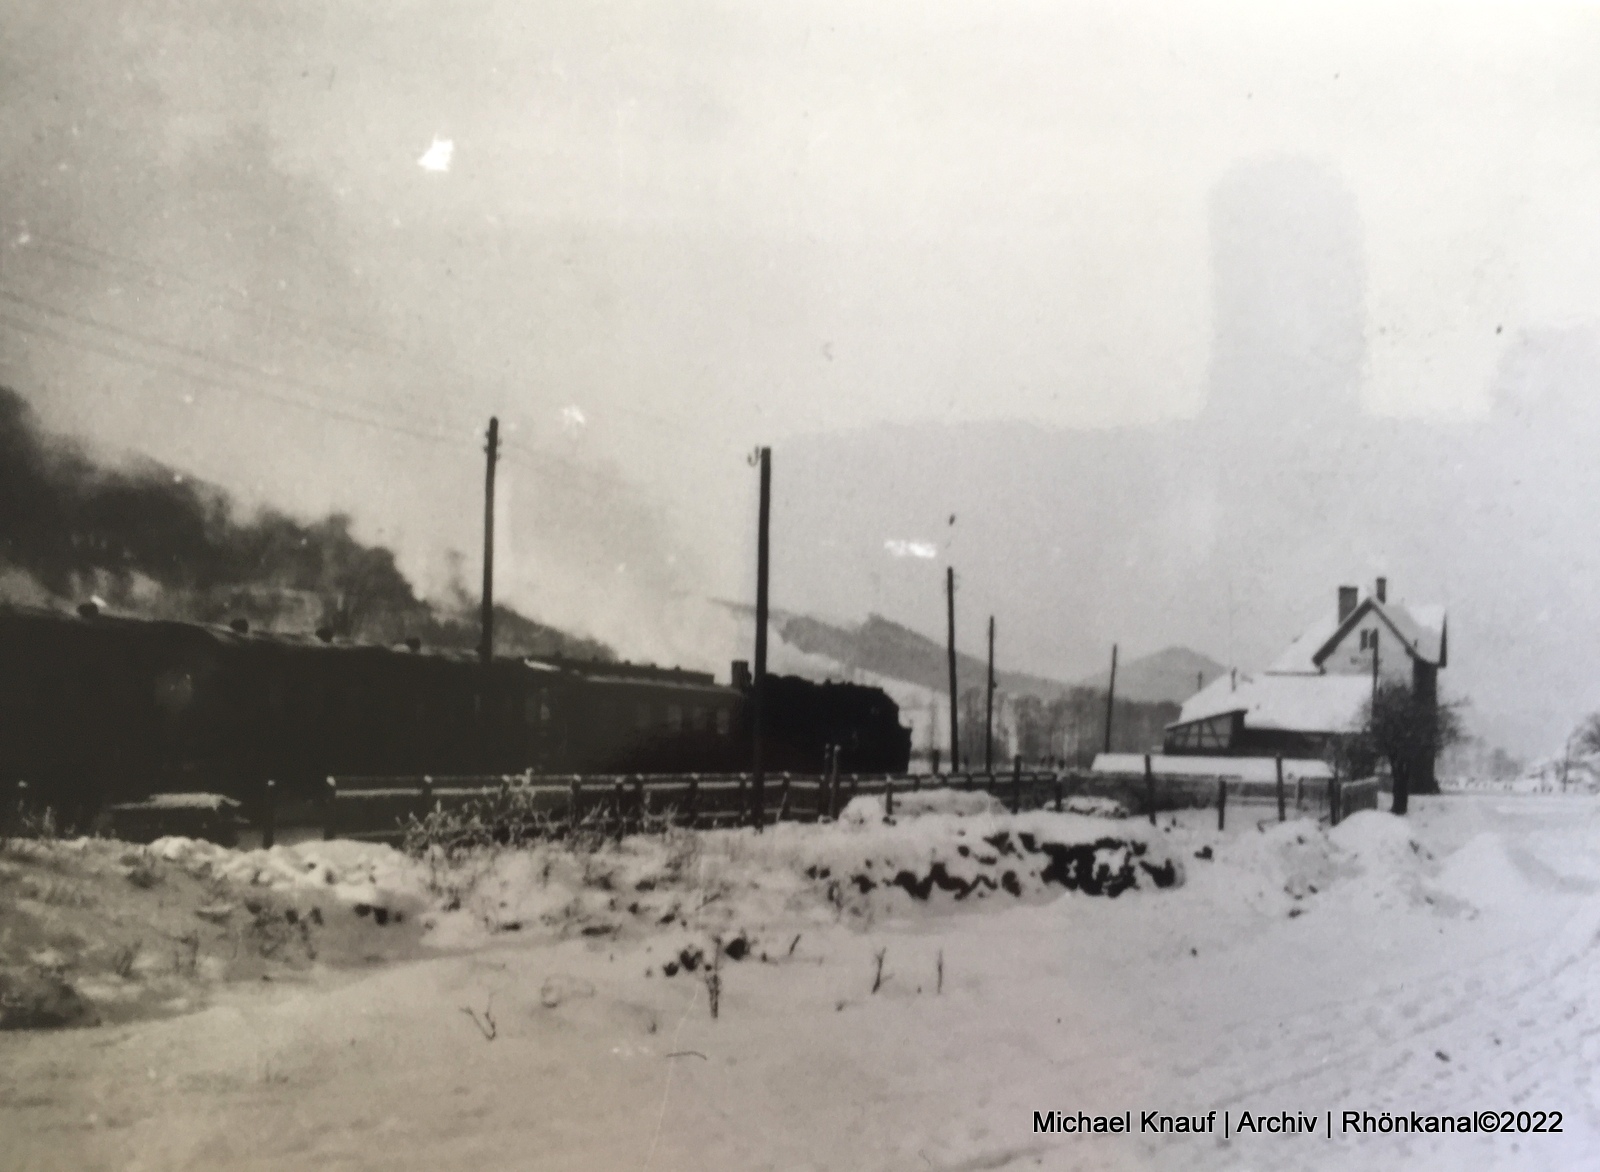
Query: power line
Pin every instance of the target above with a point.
(122, 355)
(154, 342)
(63, 248)
(523, 455)
(226, 298)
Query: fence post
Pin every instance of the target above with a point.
(641, 802)
(1016, 784)
(888, 797)
(830, 786)
(269, 815)
(619, 796)
(574, 796)
(783, 800)
(691, 802)
(1150, 788)
(1299, 794)
(1335, 801)
(1058, 793)
(425, 796)
(1281, 815)
(1222, 803)
(743, 816)
(935, 764)
(330, 818)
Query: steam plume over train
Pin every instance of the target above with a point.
(155, 543)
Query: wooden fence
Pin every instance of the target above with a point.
(377, 808)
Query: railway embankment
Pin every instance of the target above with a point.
(102, 931)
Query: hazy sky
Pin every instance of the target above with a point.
(669, 232)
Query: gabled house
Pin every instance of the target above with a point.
(1316, 691)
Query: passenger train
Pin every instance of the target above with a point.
(98, 709)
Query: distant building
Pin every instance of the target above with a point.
(1315, 692)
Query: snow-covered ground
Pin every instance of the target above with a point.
(1439, 964)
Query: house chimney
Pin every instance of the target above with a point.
(1347, 602)
(1383, 590)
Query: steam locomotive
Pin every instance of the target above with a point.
(98, 709)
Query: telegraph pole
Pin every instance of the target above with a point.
(1374, 668)
(757, 714)
(988, 710)
(492, 448)
(1111, 696)
(950, 608)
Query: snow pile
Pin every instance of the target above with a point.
(717, 882)
(353, 873)
(1483, 874)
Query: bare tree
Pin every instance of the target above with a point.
(1409, 733)
(1586, 738)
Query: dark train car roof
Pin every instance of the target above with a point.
(296, 643)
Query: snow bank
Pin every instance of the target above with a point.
(943, 847)
(354, 873)
(1483, 874)
(1374, 837)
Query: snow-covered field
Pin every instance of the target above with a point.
(551, 1010)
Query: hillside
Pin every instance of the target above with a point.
(1034, 715)
(1169, 676)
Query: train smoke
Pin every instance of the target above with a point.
(148, 540)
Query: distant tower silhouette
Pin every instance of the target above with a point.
(1289, 292)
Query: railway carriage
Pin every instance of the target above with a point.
(97, 709)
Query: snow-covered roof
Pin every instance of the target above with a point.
(1241, 768)
(1420, 628)
(1300, 656)
(1297, 702)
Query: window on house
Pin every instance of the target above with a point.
(724, 722)
(697, 718)
(675, 718)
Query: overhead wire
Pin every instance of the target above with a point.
(124, 355)
(516, 452)
(227, 298)
(156, 343)
(63, 248)
(311, 397)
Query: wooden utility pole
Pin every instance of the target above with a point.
(492, 448)
(1374, 672)
(1111, 696)
(988, 710)
(758, 764)
(950, 610)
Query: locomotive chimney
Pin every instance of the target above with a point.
(87, 610)
(241, 626)
(741, 673)
(1347, 602)
(325, 634)
(414, 643)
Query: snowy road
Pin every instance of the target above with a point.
(1295, 971)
